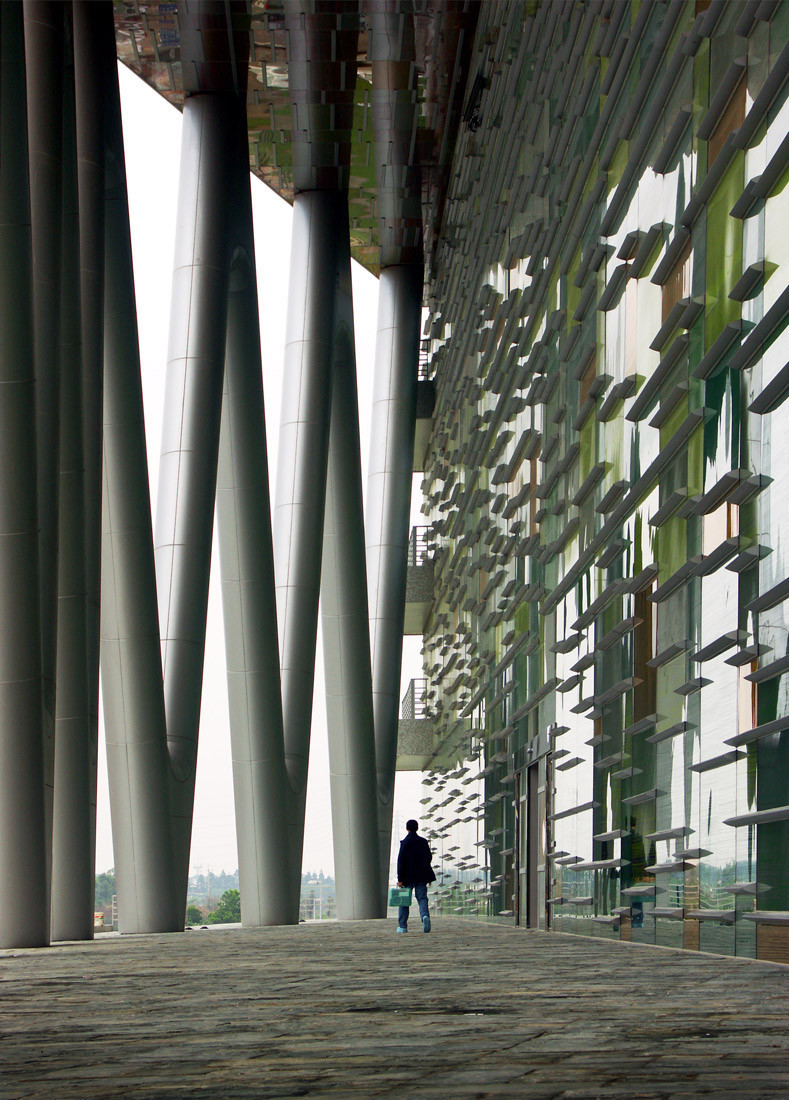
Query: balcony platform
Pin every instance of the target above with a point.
(425, 408)
(418, 597)
(353, 1010)
(415, 744)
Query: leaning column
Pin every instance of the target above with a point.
(322, 52)
(45, 34)
(190, 438)
(131, 671)
(301, 479)
(346, 637)
(395, 121)
(248, 597)
(93, 24)
(72, 895)
(24, 909)
(388, 512)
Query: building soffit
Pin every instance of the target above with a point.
(389, 109)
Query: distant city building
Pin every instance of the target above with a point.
(318, 897)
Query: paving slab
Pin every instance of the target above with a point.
(351, 1010)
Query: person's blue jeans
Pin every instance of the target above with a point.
(420, 893)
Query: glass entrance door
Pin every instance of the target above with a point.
(530, 852)
(535, 829)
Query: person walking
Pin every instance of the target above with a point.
(414, 869)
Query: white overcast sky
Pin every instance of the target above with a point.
(152, 134)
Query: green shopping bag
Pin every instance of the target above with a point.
(399, 895)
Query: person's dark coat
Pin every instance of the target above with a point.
(413, 861)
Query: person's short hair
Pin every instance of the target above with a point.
(412, 826)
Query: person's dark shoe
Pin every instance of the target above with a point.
(399, 929)
(426, 923)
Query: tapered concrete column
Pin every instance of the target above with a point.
(318, 219)
(72, 897)
(94, 53)
(346, 639)
(247, 563)
(388, 513)
(137, 759)
(190, 437)
(24, 908)
(44, 47)
(392, 50)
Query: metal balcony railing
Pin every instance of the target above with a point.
(414, 704)
(419, 546)
(424, 369)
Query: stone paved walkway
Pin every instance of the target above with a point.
(353, 1010)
